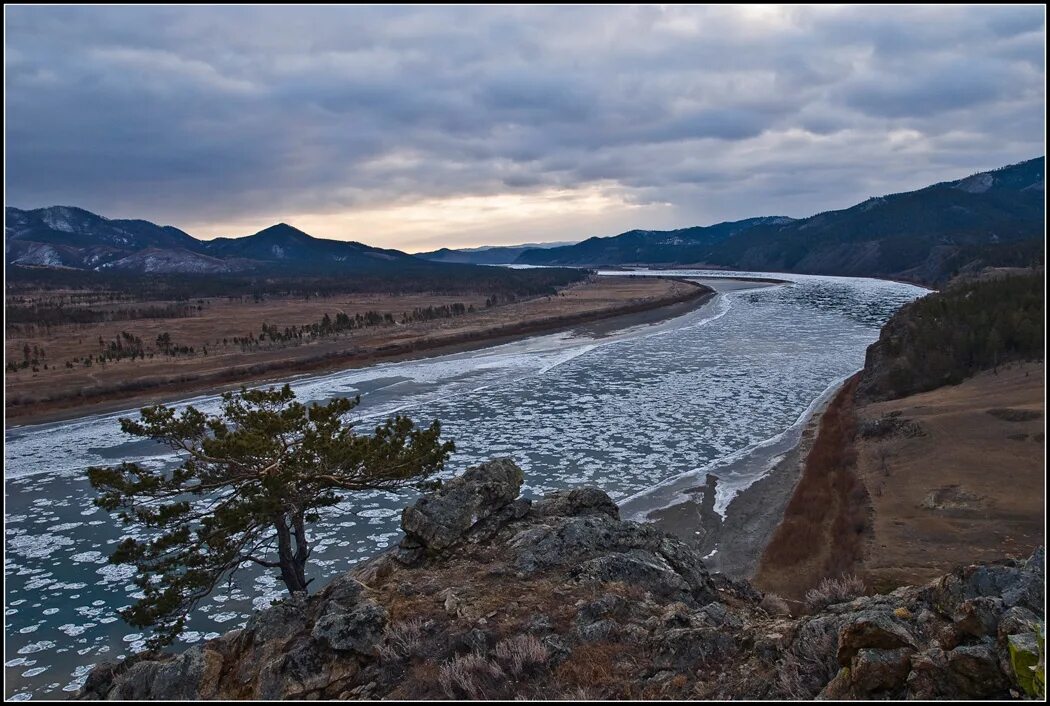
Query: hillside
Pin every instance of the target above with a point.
(494, 596)
(685, 245)
(490, 255)
(994, 218)
(933, 453)
(66, 238)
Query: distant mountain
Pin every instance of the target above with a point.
(486, 255)
(990, 218)
(67, 237)
(650, 247)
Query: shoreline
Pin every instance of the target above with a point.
(732, 543)
(607, 320)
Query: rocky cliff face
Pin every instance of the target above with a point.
(494, 596)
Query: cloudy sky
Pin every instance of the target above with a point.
(420, 127)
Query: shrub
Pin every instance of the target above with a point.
(471, 676)
(522, 653)
(834, 590)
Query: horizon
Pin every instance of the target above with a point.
(420, 128)
(483, 246)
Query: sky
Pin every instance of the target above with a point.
(423, 127)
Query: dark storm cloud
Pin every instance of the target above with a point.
(223, 114)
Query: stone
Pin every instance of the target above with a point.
(578, 501)
(874, 671)
(872, 630)
(358, 630)
(775, 606)
(977, 617)
(976, 673)
(438, 520)
(1025, 653)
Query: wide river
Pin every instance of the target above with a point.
(634, 412)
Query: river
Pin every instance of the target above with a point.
(635, 412)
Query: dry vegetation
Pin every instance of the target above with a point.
(822, 530)
(221, 340)
(968, 488)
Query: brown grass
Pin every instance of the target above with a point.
(58, 387)
(971, 489)
(822, 529)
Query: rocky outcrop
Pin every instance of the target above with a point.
(493, 596)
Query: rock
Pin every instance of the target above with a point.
(439, 520)
(976, 672)
(1017, 620)
(598, 631)
(775, 605)
(979, 616)
(1025, 653)
(358, 630)
(874, 671)
(636, 568)
(604, 605)
(609, 604)
(872, 630)
(578, 501)
(189, 676)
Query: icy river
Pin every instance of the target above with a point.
(634, 412)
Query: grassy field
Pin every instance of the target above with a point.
(901, 491)
(52, 367)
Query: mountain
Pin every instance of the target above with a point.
(292, 247)
(684, 245)
(66, 236)
(486, 255)
(72, 238)
(990, 218)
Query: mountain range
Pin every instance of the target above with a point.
(69, 237)
(991, 218)
(487, 254)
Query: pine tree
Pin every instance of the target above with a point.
(251, 480)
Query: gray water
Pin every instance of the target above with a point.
(641, 413)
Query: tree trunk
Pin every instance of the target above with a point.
(292, 567)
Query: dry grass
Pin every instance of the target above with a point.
(834, 590)
(144, 380)
(822, 530)
(521, 654)
(471, 676)
(402, 639)
(971, 489)
(808, 667)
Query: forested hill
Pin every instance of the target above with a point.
(971, 325)
(655, 247)
(994, 218)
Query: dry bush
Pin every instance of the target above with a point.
(522, 653)
(471, 676)
(808, 666)
(834, 590)
(600, 667)
(401, 639)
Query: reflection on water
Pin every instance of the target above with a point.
(624, 412)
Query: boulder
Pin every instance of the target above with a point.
(578, 501)
(358, 630)
(872, 629)
(439, 520)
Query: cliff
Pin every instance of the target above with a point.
(491, 595)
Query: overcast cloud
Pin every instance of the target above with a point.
(425, 126)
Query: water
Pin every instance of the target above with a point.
(640, 413)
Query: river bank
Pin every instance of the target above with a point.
(732, 541)
(619, 302)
